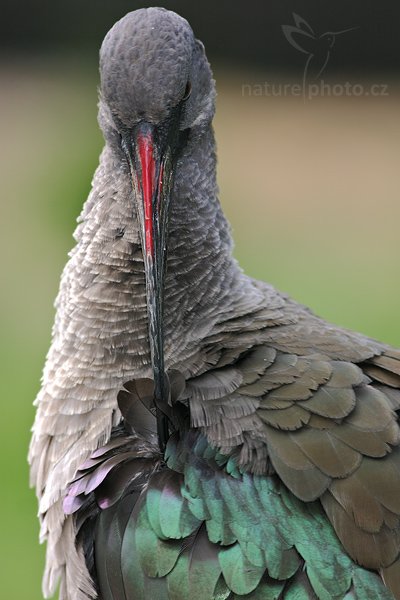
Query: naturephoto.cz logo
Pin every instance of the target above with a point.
(317, 50)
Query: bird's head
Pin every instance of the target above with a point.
(156, 86)
(152, 68)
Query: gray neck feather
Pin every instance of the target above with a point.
(203, 281)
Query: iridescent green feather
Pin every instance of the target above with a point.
(201, 530)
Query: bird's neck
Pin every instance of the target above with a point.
(203, 285)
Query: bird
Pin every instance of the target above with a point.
(318, 47)
(199, 434)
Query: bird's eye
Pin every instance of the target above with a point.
(188, 91)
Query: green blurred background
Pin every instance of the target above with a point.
(311, 188)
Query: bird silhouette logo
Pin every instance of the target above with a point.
(318, 48)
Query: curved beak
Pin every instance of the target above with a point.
(149, 154)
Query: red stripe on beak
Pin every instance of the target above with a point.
(148, 167)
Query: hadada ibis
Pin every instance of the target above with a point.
(199, 434)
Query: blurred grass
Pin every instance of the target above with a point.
(310, 190)
(48, 153)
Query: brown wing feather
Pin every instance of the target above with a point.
(322, 415)
(385, 369)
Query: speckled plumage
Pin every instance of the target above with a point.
(275, 389)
